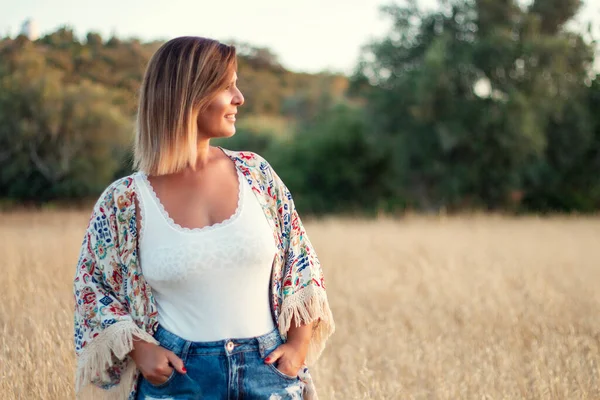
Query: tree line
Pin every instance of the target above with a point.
(476, 104)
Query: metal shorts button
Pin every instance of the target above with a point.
(229, 346)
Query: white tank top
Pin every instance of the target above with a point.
(209, 283)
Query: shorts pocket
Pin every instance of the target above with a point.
(281, 374)
(165, 383)
(272, 367)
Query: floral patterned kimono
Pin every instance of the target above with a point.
(113, 302)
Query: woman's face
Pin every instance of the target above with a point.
(218, 120)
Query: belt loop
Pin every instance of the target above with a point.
(262, 346)
(186, 350)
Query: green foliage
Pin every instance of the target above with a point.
(468, 147)
(67, 107)
(333, 165)
(247, 140)
(58, 139)
(478, 104)
(568, 178)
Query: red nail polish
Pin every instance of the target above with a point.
(267, 359)
(183, 369)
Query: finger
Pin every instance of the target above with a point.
(162, 373)
(159, 375)
(273, 356)
(159, 379)
(176, 362)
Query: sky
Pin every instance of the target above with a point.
(306, 35)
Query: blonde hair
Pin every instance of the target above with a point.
(181, 79)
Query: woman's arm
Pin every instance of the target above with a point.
(305, 317)
(291, 356)
(104, 328)
(300, 335)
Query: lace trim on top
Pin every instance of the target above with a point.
(180, 228)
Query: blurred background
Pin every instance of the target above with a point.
(448, 153)
(420, 105)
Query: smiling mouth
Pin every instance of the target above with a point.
(230, 117)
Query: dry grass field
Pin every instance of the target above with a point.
(479, 307)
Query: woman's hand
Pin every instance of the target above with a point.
(154, 362)
(289, 356)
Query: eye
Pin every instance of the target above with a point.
(230, 85)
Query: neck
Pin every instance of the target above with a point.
(203, 156)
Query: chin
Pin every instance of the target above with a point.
(229, 133)
(222, 134)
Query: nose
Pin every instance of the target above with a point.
(238, 98)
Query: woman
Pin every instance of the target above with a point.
(196, 279)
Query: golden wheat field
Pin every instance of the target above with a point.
(477, 307)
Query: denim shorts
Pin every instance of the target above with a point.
(230, 369)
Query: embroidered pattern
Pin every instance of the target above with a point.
(113, 302)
